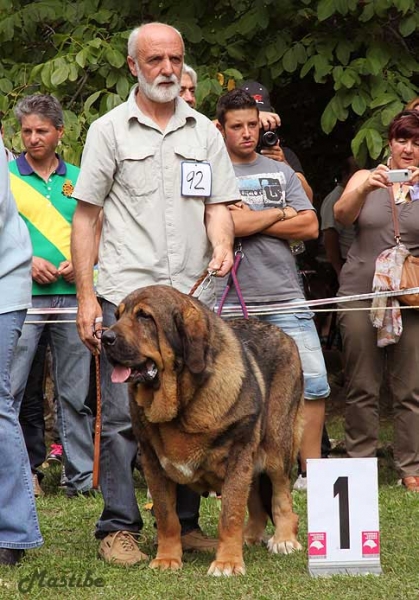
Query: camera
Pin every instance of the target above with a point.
(267, 138)
(399, 175)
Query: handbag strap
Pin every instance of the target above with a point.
(395, 217)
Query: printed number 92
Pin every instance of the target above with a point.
(194, 178)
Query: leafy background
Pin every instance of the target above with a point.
(337, 70)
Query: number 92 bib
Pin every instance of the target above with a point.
(196, 179)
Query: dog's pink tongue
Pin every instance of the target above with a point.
(120, 374)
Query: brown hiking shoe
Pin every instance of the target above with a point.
(120, 548)
(37, 490)
(197, 541)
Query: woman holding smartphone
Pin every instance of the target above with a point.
(367, 203)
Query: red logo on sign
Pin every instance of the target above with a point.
(370, 543)
(317, 545)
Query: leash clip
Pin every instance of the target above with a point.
(238, 250)
(205, 283)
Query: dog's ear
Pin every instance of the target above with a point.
(119, 310)
(161, 404)
(193, 329)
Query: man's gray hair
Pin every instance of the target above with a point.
(187, 70)
(43, 105)
(132, 40)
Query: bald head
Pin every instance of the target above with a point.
(153, 31)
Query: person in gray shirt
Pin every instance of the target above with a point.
(273, 210)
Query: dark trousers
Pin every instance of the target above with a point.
(187, 508)
(31, 414)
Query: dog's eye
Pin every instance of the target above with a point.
(140, 314)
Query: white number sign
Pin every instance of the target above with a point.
(196, 179)
(343, 523)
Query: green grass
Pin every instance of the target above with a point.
(71, 550)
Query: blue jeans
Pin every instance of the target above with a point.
(19, 527)
(71, 364)
(117, 457)
(300, 326)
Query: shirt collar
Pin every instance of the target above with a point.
(183, 112)
(25, 168)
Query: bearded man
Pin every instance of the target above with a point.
(162, 223)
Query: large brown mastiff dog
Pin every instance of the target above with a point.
(216, 405)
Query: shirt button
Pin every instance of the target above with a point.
(47, 197)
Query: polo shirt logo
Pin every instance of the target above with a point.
(68, 188)
(42, 215)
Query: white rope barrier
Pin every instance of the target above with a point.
(292, 307)
(258, 309)
(70, 310)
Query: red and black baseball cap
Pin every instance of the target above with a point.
(259, 93)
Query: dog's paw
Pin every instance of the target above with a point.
(219, 568)
(166, 564)
(283, 547)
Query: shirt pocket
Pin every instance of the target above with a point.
(192, 153)
(137, 170)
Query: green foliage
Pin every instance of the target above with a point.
(357, 57)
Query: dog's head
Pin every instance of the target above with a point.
(159, 334)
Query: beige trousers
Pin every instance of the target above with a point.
(365, 366)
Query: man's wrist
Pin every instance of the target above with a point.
(85, 294)
(283, 214)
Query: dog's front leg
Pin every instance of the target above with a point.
(235, 491)
(284, 540)
(163, 492)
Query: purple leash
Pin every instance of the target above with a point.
(232, 279)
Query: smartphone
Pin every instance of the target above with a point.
(399, 175)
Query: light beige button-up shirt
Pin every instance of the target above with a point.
(151, 233)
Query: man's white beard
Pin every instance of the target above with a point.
(154, 92)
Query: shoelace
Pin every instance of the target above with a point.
(127, 541)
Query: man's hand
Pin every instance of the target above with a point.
(89, 322)
(289, 213)
(43, 272)
(222, 260)
(65, 269)
(269, 120)
(238, 206)
(274, 152)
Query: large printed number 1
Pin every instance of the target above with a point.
(340, 489)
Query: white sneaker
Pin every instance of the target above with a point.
(300, 484)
